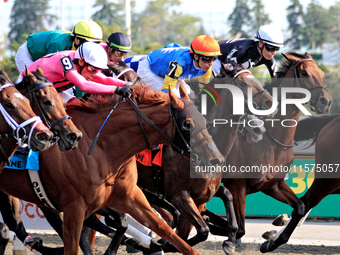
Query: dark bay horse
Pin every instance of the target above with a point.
(276, 148)
(325, 132)
(78, 184)
(46, 102)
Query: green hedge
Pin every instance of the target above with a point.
(315, 56)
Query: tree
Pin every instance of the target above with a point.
(295, 21)
(334, 14)
(240, 19)
(317, 25)
(110, 13)
(260, 18)
(159, 25)
(27, 17)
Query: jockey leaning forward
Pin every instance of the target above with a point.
(251, 53)
(169, 66)
(80, 68)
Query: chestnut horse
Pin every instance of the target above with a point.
(325, 131)
(79, 184)
(276, 148)
(46, 102)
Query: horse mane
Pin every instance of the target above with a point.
(142, 94)
(282, 71)
(118, 67)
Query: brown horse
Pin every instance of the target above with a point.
(190, 191)
(78, 184)
(46, 102)
(20, 125)
(276, 148)
(325, 131)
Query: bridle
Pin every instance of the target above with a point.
(296, 78)
(19, 131)
(33, 97)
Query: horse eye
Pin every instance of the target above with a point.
(186, 125)
(9, 105)
(243, 84)
(47, 102)
(304, 72)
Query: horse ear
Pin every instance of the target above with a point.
(5, 74)
(286, 57)
(183, 92)
(175, 101)
(30, 76)
(308, 56)
(40, 70)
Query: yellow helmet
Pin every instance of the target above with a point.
(88, 30)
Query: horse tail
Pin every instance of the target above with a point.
(310, 127)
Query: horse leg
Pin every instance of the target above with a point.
(162, 203)
(283, 193)
(319, 190)
(92, 234)
(138, 207)
(186, 205)
(73, 218)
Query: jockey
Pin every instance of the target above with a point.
(169, 66)
(251, 53)
(117, 46)
(40, 44)
(80, 68)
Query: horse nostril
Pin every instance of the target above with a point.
(72, 137)
(257, 130)
(268, 103)
(214, 162)
(42, 136)
(323, 101)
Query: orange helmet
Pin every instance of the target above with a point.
(205, 45)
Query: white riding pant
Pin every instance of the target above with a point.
(155, 81)
(22, 59)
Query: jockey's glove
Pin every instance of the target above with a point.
(124, 91)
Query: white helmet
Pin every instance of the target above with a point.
(93, 54)
(269, 34)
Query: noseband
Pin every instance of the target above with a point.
(19, 131)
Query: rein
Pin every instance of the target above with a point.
(139, 112)
(17, 128)
(297, 81)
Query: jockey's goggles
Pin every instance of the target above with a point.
(93, 69)
(117, 53)
(206, 59)
(271, 48)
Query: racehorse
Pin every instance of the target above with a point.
(186, 194)
(78, 184)
(276, 148)
(325, 131)
(46, 102)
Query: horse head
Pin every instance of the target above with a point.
(23, 124)
(47, 103)
(191, 127)
(123, 72)
(308, 75)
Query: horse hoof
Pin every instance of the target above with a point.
(228, 247)
(281, 220)
(265, 247)
(238, 242)
(269, 234)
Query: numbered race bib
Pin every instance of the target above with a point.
(67, 63)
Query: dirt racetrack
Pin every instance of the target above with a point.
(207, 248)
(311, 238)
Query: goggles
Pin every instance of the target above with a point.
(93, 69)
(271, 48)
(117, 53)
(206, 59)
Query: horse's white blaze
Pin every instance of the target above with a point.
(18, 95)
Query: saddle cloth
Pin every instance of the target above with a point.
(145, 157)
